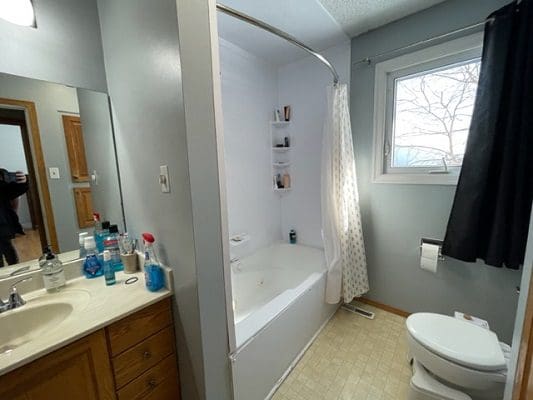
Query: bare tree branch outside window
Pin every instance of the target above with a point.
(432, 116)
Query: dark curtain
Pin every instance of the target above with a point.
(490, 214)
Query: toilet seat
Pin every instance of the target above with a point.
(471, 380)
(457, 341)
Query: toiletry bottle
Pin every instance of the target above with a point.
(42, 260)
(100, 236)
(287, 142)
(153, 273)
(53, 274)
(111, 244)
(81, 241)
(286, 180)
(109, 270)
(92, 266)
(292, 236)
(97, 225)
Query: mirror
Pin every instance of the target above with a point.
(57, 165)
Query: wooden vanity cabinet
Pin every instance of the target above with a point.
(132, 359)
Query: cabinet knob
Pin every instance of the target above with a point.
(152, 383)
(147, 355)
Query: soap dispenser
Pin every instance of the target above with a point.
(53, 273)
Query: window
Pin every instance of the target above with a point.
(423, 108)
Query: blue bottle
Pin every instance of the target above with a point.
(109, 270)
(111, 244)
(100, 235)
(153, 273)
(92, 266)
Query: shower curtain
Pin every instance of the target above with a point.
(342, 233)
(491, 210)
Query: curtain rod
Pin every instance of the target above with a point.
(369, 60)
(269, 28)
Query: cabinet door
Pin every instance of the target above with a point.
(79, 371)
(75, 148)
(84, 206)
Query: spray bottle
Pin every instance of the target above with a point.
(153, 273)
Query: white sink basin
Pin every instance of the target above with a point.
(40, 315)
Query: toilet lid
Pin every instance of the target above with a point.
(458, 341)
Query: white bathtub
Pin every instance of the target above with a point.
(278, 301)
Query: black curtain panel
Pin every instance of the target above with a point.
(490, 214)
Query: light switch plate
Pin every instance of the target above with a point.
(54, 173)
(164, 179)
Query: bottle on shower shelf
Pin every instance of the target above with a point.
(292, 236)
(286, 180)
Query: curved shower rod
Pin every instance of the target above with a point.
(269, 28)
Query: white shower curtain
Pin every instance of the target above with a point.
(341, 218)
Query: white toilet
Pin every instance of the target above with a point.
(454, 359)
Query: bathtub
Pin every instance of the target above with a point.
(278, 303)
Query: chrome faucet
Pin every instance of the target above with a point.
(14, 300)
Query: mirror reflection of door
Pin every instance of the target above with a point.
(15, 155)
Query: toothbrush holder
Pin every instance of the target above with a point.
(130, 262)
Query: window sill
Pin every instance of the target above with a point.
(417, 179)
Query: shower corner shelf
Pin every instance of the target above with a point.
(280, 134)
(279, 124)
(239, 239)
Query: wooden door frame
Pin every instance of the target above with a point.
(523, 382)
(33, 195)
(38, 159)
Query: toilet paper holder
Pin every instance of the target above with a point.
(437, 242)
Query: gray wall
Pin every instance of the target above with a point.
(65, 47)
(100, 152)
(395, 217)
(51, 101)
(144, 73)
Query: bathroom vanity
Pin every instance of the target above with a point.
(90, 341)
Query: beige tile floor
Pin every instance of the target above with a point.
(353, 358)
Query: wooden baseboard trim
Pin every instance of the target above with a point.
(384, 307)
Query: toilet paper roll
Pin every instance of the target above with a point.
(429, 257)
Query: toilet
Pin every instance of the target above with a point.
(454, 359)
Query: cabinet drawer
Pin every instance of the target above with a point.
(133, 362)
(158, 383)
(133, 329)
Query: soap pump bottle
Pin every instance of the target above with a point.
(53, 273)
(153, 273)
(92, 266)
(42, 260)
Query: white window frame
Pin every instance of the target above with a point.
(434, 57)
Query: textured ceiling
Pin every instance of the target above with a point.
(306, 20)
(318, 23)
(358, 16)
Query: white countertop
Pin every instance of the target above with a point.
(97, 306)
